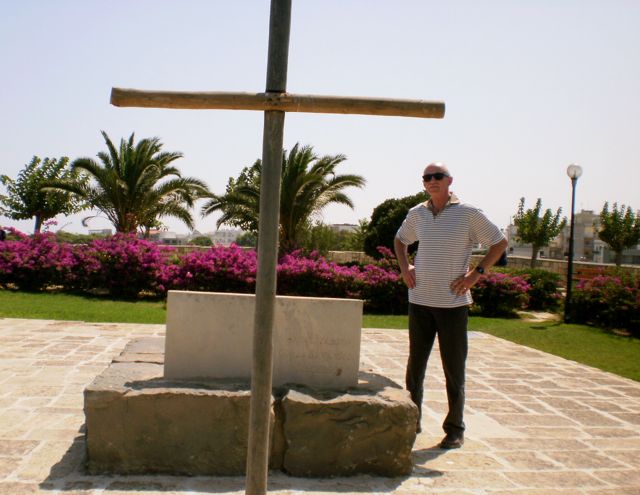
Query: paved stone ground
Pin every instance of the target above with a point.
(536, 424)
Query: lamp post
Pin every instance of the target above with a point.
(573, 171)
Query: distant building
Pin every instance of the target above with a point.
(167, 238)
(224, 237)
(343, 227)
(585, 226)
(104, 232)
(517, 248)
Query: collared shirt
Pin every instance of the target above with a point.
(453, 199)
(444, 249)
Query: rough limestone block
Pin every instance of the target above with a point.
(316, 341)
(138, 422)
(369, 430)
(143, 350)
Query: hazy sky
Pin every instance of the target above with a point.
(530, 87)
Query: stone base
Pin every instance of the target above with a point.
(139, 422)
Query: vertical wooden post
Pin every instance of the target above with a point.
(262, 368)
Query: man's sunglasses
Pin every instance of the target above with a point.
(436, 176)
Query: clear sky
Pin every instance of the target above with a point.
(530, 87)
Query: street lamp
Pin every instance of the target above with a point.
(573, 171)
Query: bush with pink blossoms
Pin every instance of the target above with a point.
(383, 290)
(219, 269)
(314, 276)
(32, 263)
(608, 302)
(500, 294)
(122, 264)
(544, 287)
(125, 266)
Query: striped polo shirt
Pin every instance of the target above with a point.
(444, 249)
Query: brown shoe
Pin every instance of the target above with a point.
(452, 441)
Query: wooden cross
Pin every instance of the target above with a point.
(274, 102)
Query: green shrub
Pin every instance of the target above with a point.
(73, 238)
(544, 287)
(201, 240)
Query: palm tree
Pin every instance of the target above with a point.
(240, 204)
(129, 185)
(309, 183)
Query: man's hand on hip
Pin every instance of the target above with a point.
(409, 276)
(464, 282)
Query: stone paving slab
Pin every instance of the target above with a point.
(536, 424)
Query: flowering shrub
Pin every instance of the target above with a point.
(125, 266)
(500, 294)
(608, 302)
(121, 264)
(544, 287)
(32, 263)
(381, 285)
(314, 276)
(219, 269)
(383, 290)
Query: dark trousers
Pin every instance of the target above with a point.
(450, 324)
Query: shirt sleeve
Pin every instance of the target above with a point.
(484, 231)
(407, 231)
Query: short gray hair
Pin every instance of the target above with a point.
(441, 166)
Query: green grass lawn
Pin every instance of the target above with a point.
(581, 343)
(587, 345)
(58, 306)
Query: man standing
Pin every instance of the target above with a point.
(439, 284)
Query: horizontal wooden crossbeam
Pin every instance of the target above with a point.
(284, 102)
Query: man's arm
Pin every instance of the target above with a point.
(465, 282)
(493, 254)
(407, 270)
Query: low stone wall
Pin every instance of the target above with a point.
(581, 269)
(336, 256)
(349, 256)
(138, 422)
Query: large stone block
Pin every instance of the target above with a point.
(370, 430)
(139, 422)
(316, 341)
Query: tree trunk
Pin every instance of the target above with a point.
(618, 258)
(534, 256)
(38, 226)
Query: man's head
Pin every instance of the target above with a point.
(437, 179)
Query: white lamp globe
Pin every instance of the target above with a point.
(574, 171)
